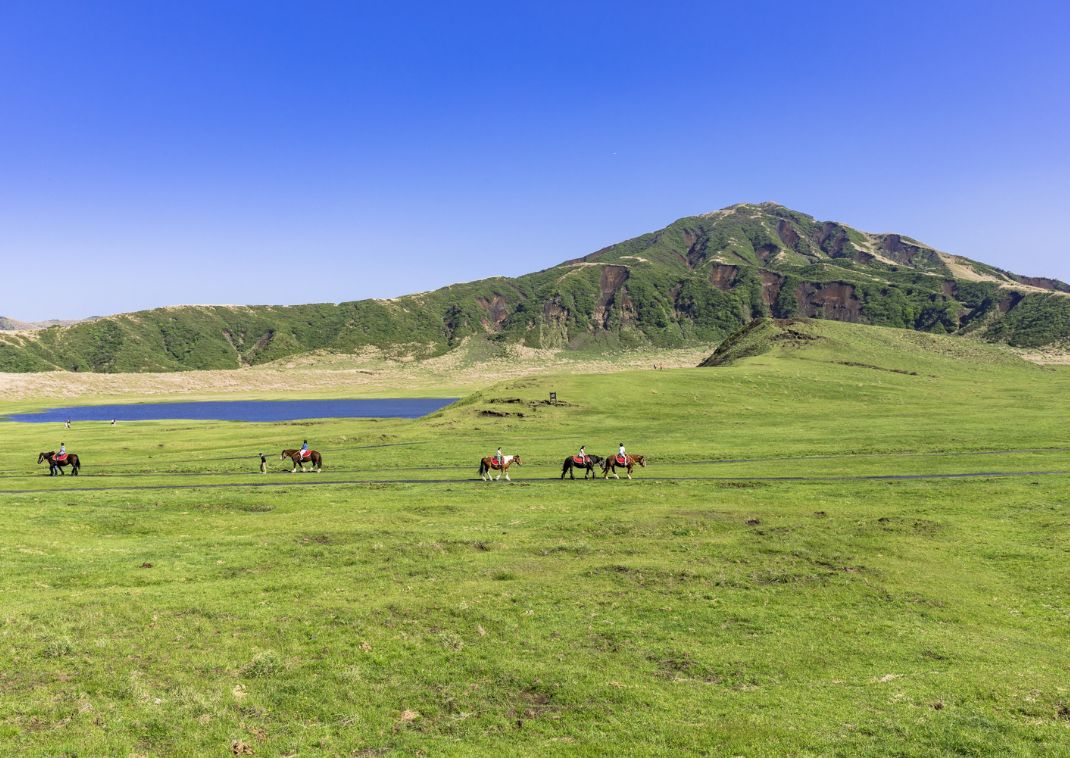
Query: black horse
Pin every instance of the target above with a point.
(55, 466)
(573, 462)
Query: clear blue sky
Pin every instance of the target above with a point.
(157, 153)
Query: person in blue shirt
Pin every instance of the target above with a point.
(304, 449)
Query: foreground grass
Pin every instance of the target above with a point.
(739, 616)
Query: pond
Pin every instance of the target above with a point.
(243, 410)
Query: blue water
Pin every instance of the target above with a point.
(244, 410)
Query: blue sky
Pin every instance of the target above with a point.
(267, 152)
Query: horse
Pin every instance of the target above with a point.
(295, 455)
(610, 465)
(572, 463)
(491, 462)
(56, 466)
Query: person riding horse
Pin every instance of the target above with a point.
(304, 449)
(580, 460)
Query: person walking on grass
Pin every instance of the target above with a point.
(263, 463)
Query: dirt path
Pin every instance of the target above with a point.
(545, 480)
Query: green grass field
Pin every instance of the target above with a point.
(766, 586)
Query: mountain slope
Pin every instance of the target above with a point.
(695, 281)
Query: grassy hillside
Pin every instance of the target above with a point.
(695, 281)
(759, 589)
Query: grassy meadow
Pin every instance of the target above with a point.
(848, 541)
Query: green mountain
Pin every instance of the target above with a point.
(695, 281)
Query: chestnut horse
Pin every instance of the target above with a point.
(295, 455)
(611, 464)
(56, 466)
(572, 463)
(491, 463)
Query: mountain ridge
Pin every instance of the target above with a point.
(691, 282)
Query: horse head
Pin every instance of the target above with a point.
(516, 460)
(641, 460)
(44, 457)
(283, 454)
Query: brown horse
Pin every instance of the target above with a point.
(490, 463)
(55, 466)
(572, 463)
(611, 464)
(295, 455)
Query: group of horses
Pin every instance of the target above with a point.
(572, 464)
(609, 465)
(487, 466)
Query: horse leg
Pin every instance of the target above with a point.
(629, 472)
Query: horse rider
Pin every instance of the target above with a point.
(304, 450)
(620, 452)
(583, 454)
(62, 450)
(500, 458)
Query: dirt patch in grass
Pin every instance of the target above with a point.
(367, 373)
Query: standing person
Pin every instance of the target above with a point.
(113, 422)
(263, 463)
(67, 424)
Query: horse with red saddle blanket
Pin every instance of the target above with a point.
(56, 463)
(575, 462)
(299, 460)
(628, 462)
(501, 465)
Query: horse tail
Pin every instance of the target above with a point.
(482, 467)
